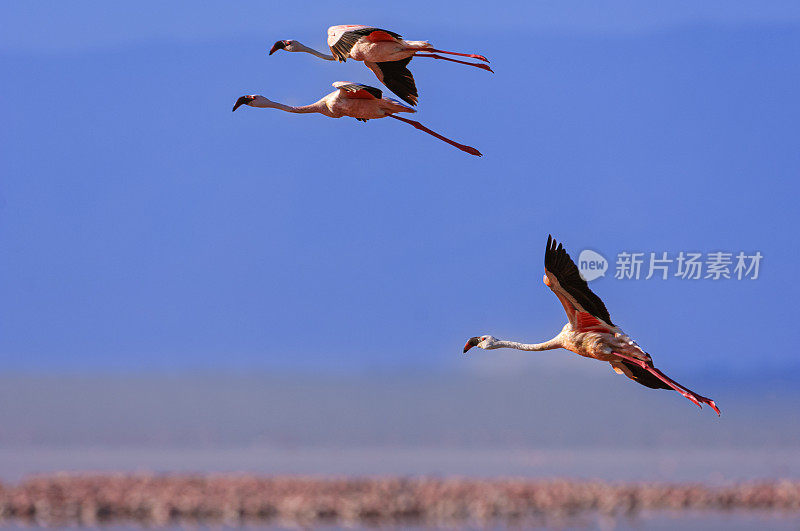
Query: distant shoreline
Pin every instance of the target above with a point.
(146, 499)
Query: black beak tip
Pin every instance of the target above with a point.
(241, 101)
(472, 342)
(280, 45)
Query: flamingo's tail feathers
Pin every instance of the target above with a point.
(396, 106)
(398, 78)
(419, 45)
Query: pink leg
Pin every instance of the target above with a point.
(434, 56)
(474, 56)
(686, 392)
(462, 147)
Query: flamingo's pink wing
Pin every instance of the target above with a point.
(585, 322)
(358, 91)
(380, 36)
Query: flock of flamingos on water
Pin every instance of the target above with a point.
(589, 332)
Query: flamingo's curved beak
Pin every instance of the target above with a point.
(473, 341)
(242, 101)
(280, 45)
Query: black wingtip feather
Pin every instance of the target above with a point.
(399, 79)
(559, 263)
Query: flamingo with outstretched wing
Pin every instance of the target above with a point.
(590, 332)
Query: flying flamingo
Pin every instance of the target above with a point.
(361, 102)
(590, 332)
(383, 51)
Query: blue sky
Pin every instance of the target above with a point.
(144, 226)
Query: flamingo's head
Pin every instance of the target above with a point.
(484, 342)
(288, 45)
(253, 100)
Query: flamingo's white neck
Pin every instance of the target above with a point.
(264, 103)
(300, 47)
(547, 345)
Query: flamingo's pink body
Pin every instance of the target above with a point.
(380, 52)
(339, 104)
